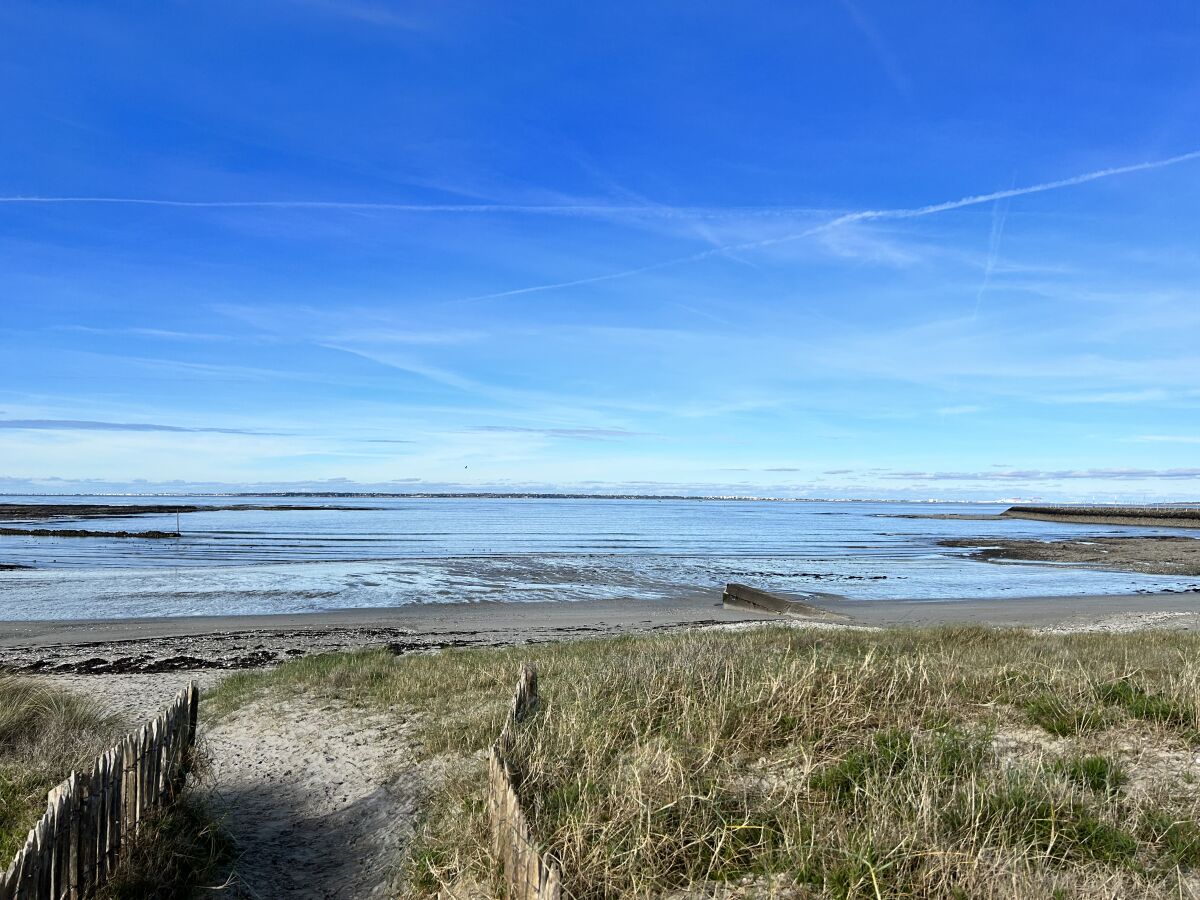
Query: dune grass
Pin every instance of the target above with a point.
(44, 734)
(789, 762)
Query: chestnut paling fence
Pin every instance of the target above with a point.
(529, 873)
(74, 847)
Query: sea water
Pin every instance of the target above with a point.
(381, 552)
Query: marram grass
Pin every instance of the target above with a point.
(45, 732)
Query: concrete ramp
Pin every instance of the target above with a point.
(742, 596)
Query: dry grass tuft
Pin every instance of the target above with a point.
(181, 852)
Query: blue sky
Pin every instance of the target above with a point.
(695, 247)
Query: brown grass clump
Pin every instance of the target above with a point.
(180, 852)
(795, 763)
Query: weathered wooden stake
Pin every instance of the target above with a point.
(530, 874)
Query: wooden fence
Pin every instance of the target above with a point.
(76, 844)
(529, 873)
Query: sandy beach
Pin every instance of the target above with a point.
(217, 643)
(136, 665)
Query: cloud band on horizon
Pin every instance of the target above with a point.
(1047, 475)
(90, 425)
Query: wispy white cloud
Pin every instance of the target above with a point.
(703, 314)
(652, 210)
(575, 433)
(861, 245)
(1149, 395)
(1166, 439)
(1017, 363)
(598, 210)
(405, 336)
(159, 334)
(413, 366)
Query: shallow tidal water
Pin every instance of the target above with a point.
(394, 551)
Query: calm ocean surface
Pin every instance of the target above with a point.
(395, 551)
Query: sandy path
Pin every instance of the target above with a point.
(318, 797)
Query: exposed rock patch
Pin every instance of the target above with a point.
(1157, 555)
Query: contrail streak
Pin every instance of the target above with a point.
(882, 52)
(644, 210)
(999, 217)
(647, 210)
(1030, 189)
(861, 216)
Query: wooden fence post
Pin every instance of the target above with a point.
(530, 874)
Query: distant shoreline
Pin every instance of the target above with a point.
(514, 495)
(1169, 506)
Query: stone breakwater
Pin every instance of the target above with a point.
(1145, 516)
